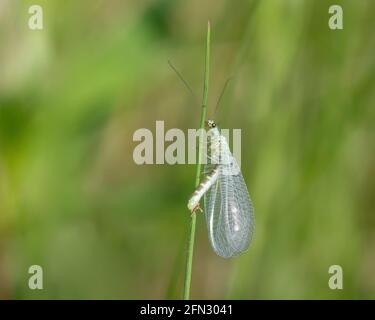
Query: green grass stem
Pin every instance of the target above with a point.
(190, 251)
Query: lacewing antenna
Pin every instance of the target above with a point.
(186, 84)
(221, 95)
(182, 79)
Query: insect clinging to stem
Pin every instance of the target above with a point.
(227, 205)
(228, 208)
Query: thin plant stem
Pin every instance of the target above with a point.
(190, 251)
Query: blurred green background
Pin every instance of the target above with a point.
(73, 201)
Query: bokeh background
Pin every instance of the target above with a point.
(73, 201)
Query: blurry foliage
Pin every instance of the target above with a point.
(73, 201)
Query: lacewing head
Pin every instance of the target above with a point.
(212, 129)
(210, 124)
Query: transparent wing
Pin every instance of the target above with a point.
(229, 213)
